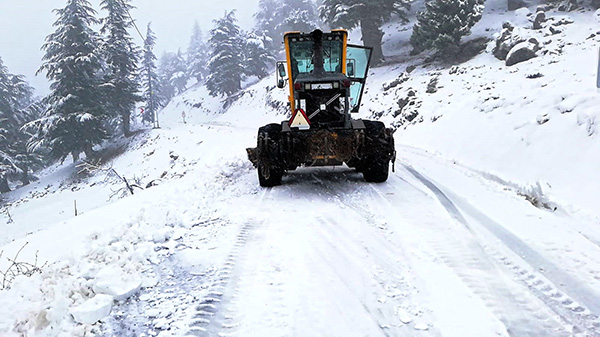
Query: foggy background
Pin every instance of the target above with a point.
(24, 24)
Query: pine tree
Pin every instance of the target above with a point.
(257, 59)
(226, 59)
(274, 18)
(369, 15)
(150, 82)
(267, 20)
(197, 55)
(17, 107)
(7, 102)
(180, 77)
(299, 15)
(121, 55)
(75, 119)
(443, 23)
(172, 73)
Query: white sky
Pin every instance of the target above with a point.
(24, 24)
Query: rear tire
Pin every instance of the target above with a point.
(376, 165)
(270, 166)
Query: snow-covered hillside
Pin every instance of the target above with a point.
(488, 227)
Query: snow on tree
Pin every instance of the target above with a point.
(17, 107)
(172, 73)
(369, 15)
(197, 55)
(299, 15)
(274, 18)
(267, 19)
(152, 91)
(257, 59)
(121, 56)
(75, 119)
(443, 23)
(225, 64)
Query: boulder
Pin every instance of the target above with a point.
(516, 4)
(509, 37)
(522, 52)
(540, 17)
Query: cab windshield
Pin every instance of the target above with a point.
(302, 55)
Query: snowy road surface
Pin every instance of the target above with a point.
(438, 250)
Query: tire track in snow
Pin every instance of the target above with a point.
(501, 298)
(212, 315)
(554, 288)
(365, 247)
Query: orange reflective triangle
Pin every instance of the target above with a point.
(300, 120)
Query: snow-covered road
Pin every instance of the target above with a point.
(436, 251)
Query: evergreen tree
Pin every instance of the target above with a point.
(180, 77)
(274, 18)
(172, 74)
(150, 82)
(17, 107)
(299, 15)
(197, 55)
(267, 20)
(369, 15)
(257, 59)
(7, 103)
(225, 65)
(75, 118)
(443, 23)
(121, 57)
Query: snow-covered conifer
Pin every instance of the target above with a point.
(121, 56)
(298, 15)
(172, 73)
(267, 19)
(197, 55)
(225, 64)
(257, 59)
(75, 119)
(17, 107)
(274, 18)
(369, 15)
(443, 23)
(152, 92)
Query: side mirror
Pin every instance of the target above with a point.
(281, 69)
(350, 69)
(280, 83)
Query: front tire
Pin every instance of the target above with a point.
(270, 166)
(376, 165)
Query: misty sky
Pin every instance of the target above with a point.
(24, 24)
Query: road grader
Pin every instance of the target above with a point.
(326, 77)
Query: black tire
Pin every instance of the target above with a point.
(270, 166)
(377, 172)
(376, 166)
(269, 178)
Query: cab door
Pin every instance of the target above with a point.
(357, 67)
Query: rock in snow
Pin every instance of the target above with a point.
(93, 310)
(115, 282)
(522, 52)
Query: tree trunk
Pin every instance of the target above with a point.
(75, 155)
(25, 176)
(372, 36)
(126, 123)
(4, 188)
(89, 152)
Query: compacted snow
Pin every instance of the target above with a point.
(487, 227)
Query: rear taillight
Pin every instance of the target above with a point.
(346, 83)
(297, 86)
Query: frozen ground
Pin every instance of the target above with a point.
(451, 245)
